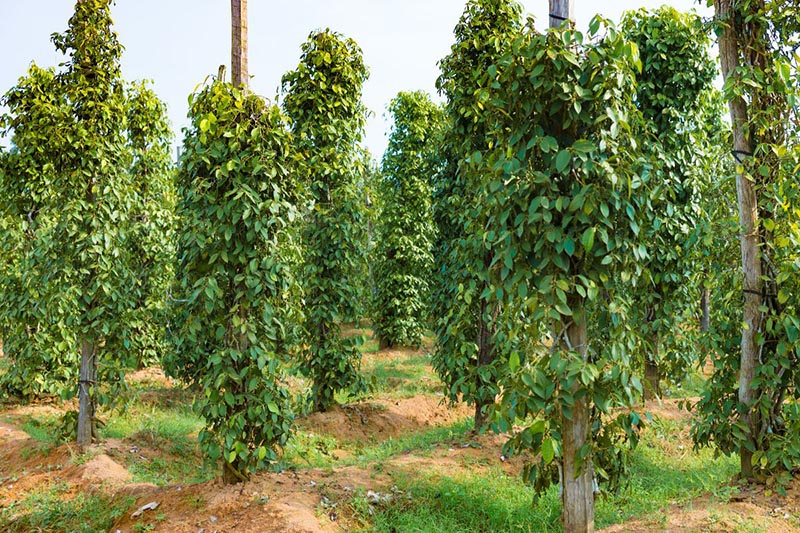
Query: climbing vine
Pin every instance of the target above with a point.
(464, 305)
(405, 234)
(746, 411)
(82, 284)
(673, 93)
(237, 250)
(322, 97)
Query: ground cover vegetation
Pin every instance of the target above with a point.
(563, 300)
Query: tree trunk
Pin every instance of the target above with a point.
(234, 472)
(239, 74)
(748, 218)
(86, 393)
(486, 352)
(705, 317)
(652, 376)
(577, 496)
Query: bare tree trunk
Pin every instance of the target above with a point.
(577, 496)
(86, 393)
(705, 317)
(239, 74)
(652, 375)
(748, 218)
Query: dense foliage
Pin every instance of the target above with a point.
(674, 95)
(464, 303)
(237, 250)
(764, 431)
(323, 101)
(88, 200)
(565, 214)
(404, 258)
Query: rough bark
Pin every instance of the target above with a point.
(577, 496)
(705, 317)
(239, 74)
(652, 375)
(748, 219)
(86, 393)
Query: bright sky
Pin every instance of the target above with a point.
(177, 43)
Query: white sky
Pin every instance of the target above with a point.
(177, 43)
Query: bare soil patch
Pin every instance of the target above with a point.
(379, 420)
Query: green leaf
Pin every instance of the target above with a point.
(562, 160)
(548, 450)
(583, 146)
(587, 239)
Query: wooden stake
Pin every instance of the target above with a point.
(239, 74)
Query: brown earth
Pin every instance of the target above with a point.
(318, 500)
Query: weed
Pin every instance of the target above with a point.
(51, 510)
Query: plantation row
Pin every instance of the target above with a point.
(566, 222)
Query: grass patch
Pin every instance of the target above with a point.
(491, 501)
(43, 429)
(664, 472)
(310, 450)
(404, 378)
(171, 431)
(51, 510)
(166, 423)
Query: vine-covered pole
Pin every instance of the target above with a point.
(577, 495)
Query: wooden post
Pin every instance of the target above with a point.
(561, 11)
(705, 317)
(748, 218)
(86, 394)
(239, 74)
(652, 375)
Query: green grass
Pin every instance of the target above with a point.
(43, 429)
(166, 423)
(171, 430)
(49, 510)
(487, 502)
(492, 501)
(404, 378)
(310, 450)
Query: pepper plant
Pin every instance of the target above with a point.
(322, 97)
(81, 283)
(237, 252)
(744, 409)
(563, 193)
(463, 302)
(405, 233)
(672, 92)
